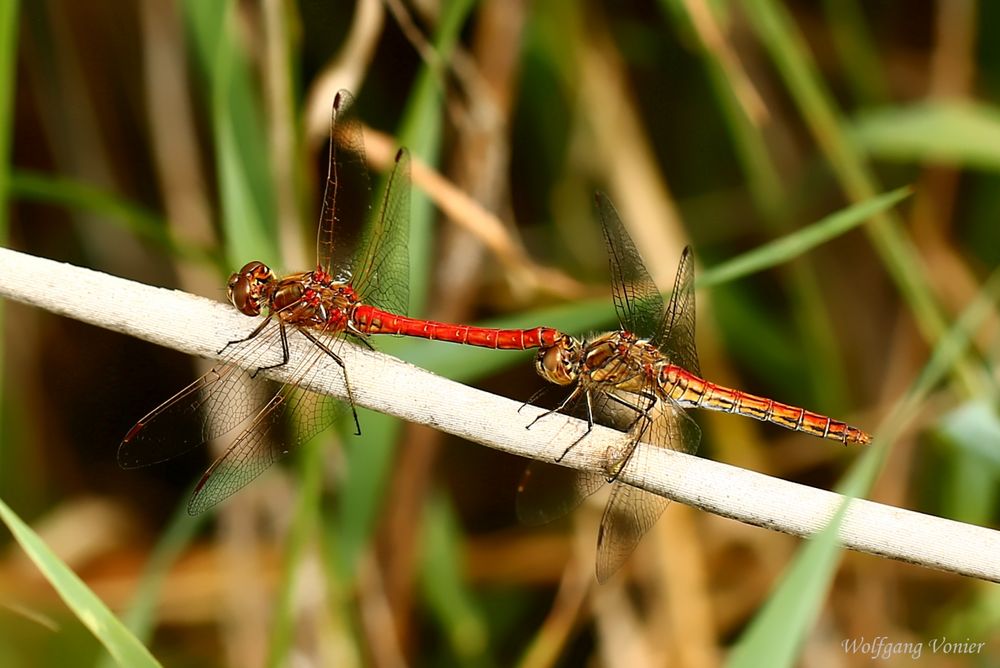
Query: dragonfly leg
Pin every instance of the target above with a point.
(640, 411)
(347, 383)
(284, 352)
(590, 427)
(257, 330)
(532, 399)
(361, 336)
(565, 402)
(642, 415)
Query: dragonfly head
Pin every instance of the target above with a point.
(560, 362)
(246, 287)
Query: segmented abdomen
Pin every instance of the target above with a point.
(689, 390)
(371, 320)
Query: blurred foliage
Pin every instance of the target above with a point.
(153, 139)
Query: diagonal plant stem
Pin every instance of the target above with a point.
(900, 256)
(199, 326)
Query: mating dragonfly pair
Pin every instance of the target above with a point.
(647, 370)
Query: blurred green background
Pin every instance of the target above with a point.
(170, 142)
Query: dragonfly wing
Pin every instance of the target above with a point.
(262, 443)
(247, 457)
(631, 511)
(382, 267)
(673, 428)
(676, 337)
(628, 516)
(347, 195)
(637, 299)
(549, 491)
(207, 408)
(268, 437)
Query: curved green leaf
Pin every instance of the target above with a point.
(124, 647)
(954, 133)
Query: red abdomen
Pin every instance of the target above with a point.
(371, 320)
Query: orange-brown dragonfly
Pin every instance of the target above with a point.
(640, 379)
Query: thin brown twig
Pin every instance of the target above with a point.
(465, 211)
(714, 38)
(951, 76)
(458, 207)
(345, 71)
(415, 37)
(459, 64)
(576, 582)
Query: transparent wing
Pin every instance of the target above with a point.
(549, 491)
(382, 267)
(347, 195)
(370, 254)
(207, 408)
(637, 300)
(676, 333)
(632, 511)
(628, 516)
(280, 417)
(289, 419)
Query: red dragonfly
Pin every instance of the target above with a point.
(639, 379)
(346, 295)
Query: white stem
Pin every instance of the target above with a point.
(201, 327)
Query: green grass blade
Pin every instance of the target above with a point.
(106, 206)
(974, 428)
(8, 61)
(787, 48)
(969, 467)
(779, 630)
(242, 165)
(795, 244)
(80, 196)
(855, 48)
(443, 584)
(949, 350)
(950, 133)
(774, 196)
(763, 179)
(140, 616)
(369, 459)
(8, 78)
(90, 610)
(465, 363)
(420, 131)
(302, 531)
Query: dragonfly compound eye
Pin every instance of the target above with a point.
(245, 287)
(559, 363)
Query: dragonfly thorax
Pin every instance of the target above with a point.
(616, 359)
(247, 287)
(311, 300)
